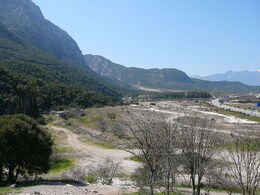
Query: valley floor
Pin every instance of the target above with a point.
(80, 139)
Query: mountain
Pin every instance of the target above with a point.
(33, 81)
(167, 78)
(154, 78)
(246, 77)
(24, 19)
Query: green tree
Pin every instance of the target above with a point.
(25, 148)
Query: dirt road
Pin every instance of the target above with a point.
(92, 155)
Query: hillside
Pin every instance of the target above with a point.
(168, 78)
(155, 78)
(246, 77)
(25, 20)
(32, 81)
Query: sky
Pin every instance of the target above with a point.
(195, 36)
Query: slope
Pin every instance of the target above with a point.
(32, 78)
(168, 78)
(25, 20)
(155, 78)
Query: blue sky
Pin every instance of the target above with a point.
(196, 36)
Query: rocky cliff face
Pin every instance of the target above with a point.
(25, 20)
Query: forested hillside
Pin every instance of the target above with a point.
(33, 81)
(31, 96)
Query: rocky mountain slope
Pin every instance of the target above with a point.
(137, 76)
(168, 78)
(246, 77)
(24, 19)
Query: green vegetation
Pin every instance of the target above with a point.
(236, 114)
(253, 146)
(8, 190)
(62, 164)
(180, 95)
(25, 148)
(99, 144)
(33, 81)
(91, 178)
(87, 120)
(135, 158)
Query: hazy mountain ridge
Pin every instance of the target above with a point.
(246, 77)
(24, 19)
(168, 78)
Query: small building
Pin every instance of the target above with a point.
(258, 104)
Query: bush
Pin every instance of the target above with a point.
(111, 116)
(102, 124)
(118, 130)
(75, 174)
(107, 171)
(91, 178)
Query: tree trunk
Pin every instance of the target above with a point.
(199, 185)
(17, 174)
(10, 178)
(193, 184)
(168, 182)
(1, 174)
(152, 183)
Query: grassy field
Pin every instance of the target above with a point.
(99, 144)
(62, 164)
(252, 147)
(135, 158)
(8, 190)
(236, 114)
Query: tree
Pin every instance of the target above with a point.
(25, 148)
(198, 143)
(145, 130)
(244, 159)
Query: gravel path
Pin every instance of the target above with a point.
(89, 155)
(92, 155)
(67, 189)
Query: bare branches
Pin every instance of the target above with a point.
(245, 162)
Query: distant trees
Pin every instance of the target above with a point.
(180, 95)
(25, 148)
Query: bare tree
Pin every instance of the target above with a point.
(118, 130)
(198, 144)
(219, 177)
(168, 138)
(145, 130)
(244, 162)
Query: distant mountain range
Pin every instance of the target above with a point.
(168, 78)
(246, 77)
